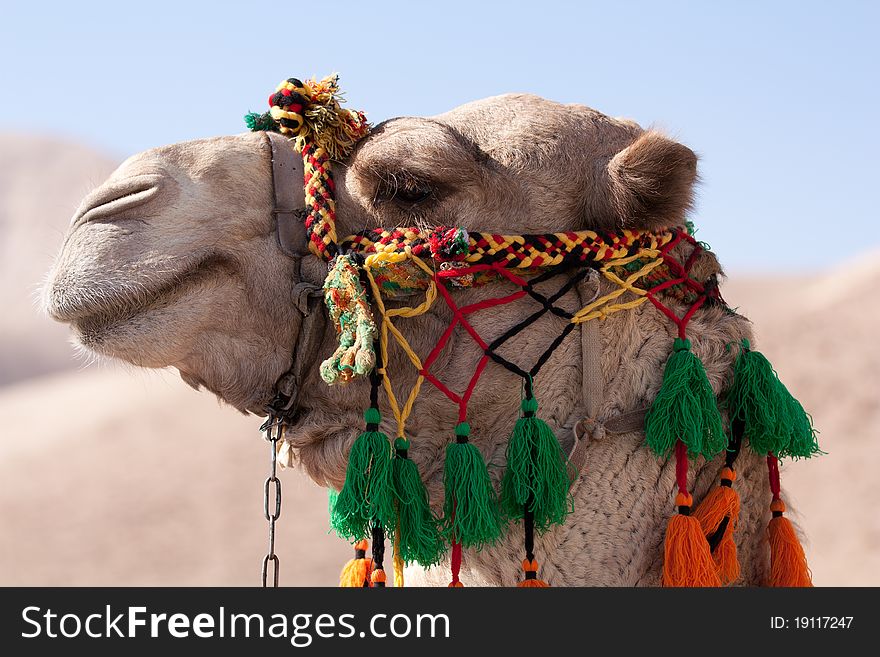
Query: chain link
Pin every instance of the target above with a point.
(274, 431)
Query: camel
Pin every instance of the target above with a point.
(173, 262)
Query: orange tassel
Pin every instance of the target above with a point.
(687, 560)
(722, 503)
(356, 573)
(531, 581)
(788, 563)
(378, 578)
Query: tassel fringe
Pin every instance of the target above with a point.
(774, 421)
(471, 514)
(367, 495)
(719, 513)
(686, 557)
(357, 572)
(788, 563)
(685, 408)
(418, 537)
(536, 473)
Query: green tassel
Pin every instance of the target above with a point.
(685, 408)
(773, 420)
(536, 473)
(367, 496)
(419, 539)
(471, 514)
(802, 441)
(263, 121)
(332, 496)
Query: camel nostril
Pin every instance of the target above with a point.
(111, 200)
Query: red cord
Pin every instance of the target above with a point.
(773, 472)
(681, 467)
(455, 564)
(682, 277)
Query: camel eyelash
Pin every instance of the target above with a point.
(403, 189)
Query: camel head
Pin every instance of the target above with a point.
(173, 261)
(180, 260)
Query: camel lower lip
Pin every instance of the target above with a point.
(92, 322)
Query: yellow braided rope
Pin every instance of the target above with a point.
(398, 560)
(393, 243)
(594, 310)
(400, 415)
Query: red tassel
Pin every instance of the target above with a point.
(687, 560)
(719, 512)
(788, 563)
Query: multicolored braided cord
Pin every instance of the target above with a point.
(310, 114)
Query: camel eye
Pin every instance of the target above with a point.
(413, 195)
(404, 192)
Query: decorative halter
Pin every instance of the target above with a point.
(384, 496)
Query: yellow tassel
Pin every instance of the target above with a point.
(687, 560)
(722, 502)
(398, 560)
(356, 573)
(531, 567)
(788, 563)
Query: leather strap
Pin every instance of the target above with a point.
(593, 427)
(290, 230)
(591, 349)
(287, 184)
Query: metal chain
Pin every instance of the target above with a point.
(274, 431)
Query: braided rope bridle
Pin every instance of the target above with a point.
(407, 262)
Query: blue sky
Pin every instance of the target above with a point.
(780, 99)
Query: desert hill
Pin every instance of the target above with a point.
(42, 181)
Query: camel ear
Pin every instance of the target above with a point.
(652, 182)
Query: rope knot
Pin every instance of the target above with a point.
(681, 344)
(448, 244)
(310, 114)
(311, 111)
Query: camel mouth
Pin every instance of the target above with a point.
(95, 317)
(111, 200)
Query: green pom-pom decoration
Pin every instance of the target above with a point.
(419, 537)
(773, 420)
(256, 122)
(685, 408)
(367, 497)
(470, 511)
(537, 473)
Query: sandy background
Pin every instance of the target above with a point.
(116, 476)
